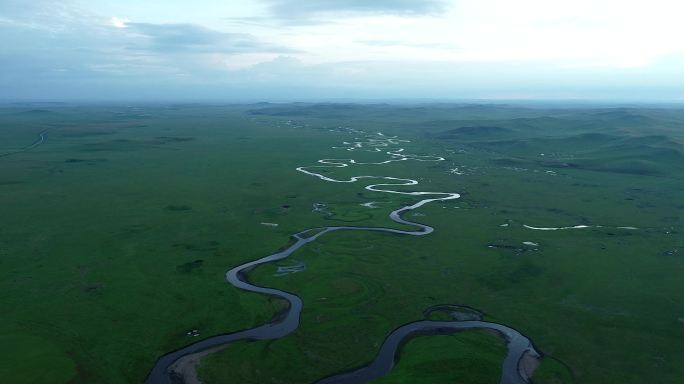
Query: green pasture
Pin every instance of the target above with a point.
(117, 231)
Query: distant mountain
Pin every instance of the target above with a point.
(481, 131)
(37, 112)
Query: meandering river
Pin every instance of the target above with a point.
(42, 136)
(515, 367)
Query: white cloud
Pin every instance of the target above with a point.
(118, 23)
(577, 33)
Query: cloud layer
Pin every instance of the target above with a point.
(286, 49)
(194, 38)
(293, 9)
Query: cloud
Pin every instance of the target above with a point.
(455, 48)
(117, 22)
(195, 38)
(295, 10)
(67, 51)
(401, 43)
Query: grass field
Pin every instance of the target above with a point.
(117, 230)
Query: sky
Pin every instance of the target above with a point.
(285, 50)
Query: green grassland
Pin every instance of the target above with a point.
(116, 233)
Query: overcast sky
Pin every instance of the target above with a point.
(341, 49)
